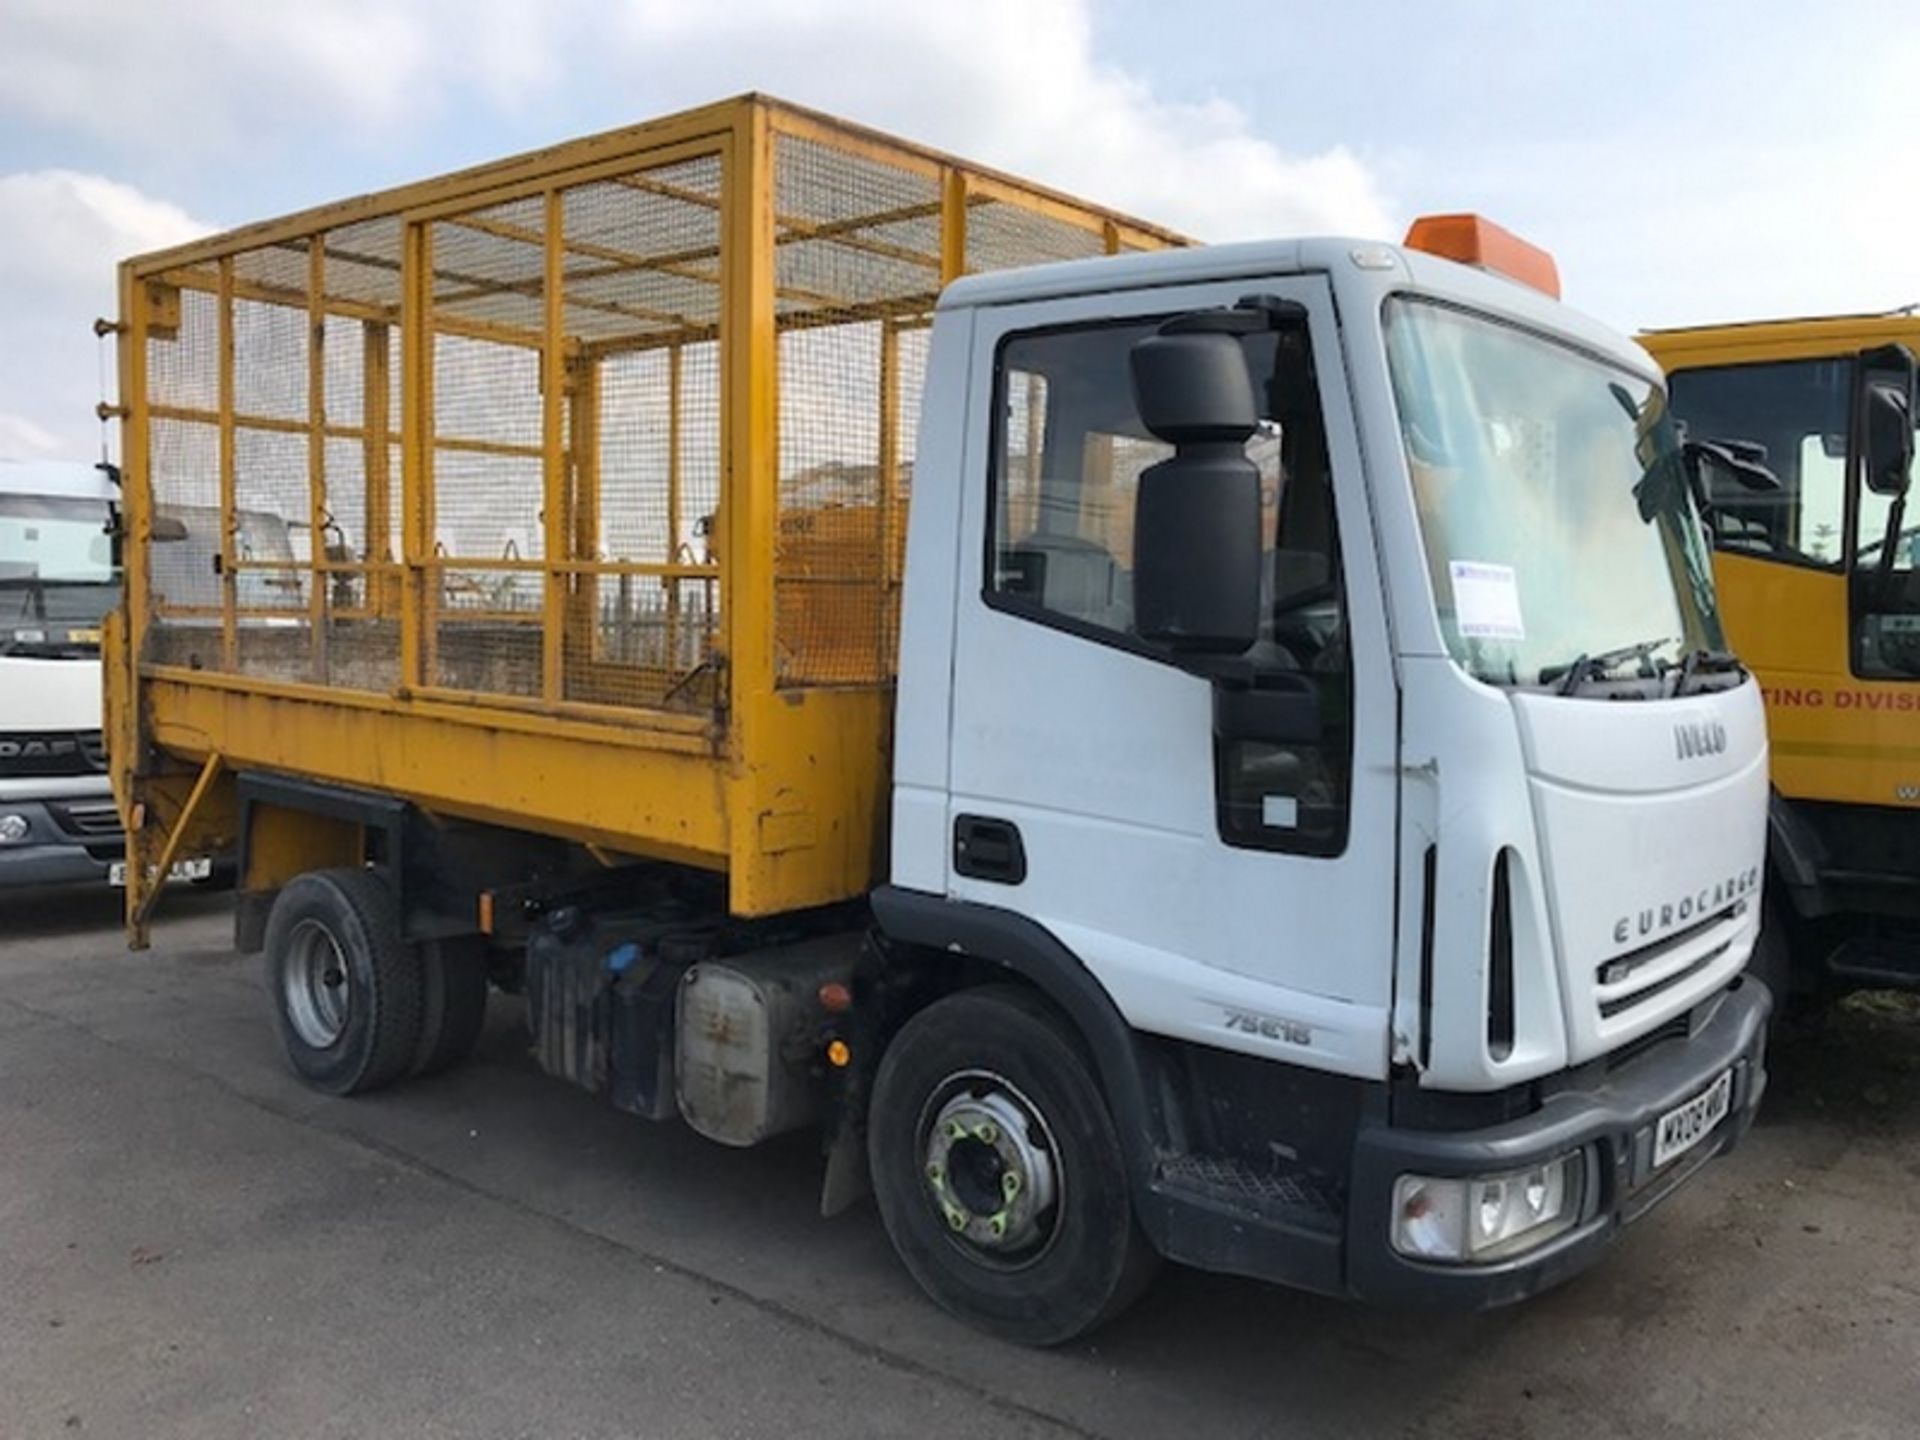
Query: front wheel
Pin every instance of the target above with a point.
(998, 1172)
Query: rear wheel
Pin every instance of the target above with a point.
(998, 1172)
(347, 993)
(454, 996)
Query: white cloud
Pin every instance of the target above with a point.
(1015, 84)
(1786, 228)
(66, 229)
(61, 233)
(21, 439)
(216, 73)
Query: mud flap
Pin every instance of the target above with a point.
(847, 1180)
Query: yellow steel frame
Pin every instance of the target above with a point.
(781, 789)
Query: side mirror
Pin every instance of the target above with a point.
(1889, 440)
(1886, 420)
(1196, 527)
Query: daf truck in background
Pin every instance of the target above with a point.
(59, 577)
(1817, 563)
(1259, 784)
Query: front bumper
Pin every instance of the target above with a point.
(1611, 1121)
(56, 850)
(50, 865)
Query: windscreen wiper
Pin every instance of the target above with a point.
(1702, 661)
(1594, 667)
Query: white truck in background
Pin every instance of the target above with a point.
(59, 576)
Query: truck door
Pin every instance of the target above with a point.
(1227, 891)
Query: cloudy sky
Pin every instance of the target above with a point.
(1684, 161)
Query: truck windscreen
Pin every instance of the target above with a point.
(57, 572)
(1559, 530)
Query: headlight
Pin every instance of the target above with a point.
(1486, 1217)
(13, 828)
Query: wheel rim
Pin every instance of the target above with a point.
(991, 1167)
(316, 985)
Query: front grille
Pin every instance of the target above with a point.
(1629, 980)
(89, 819)
(52, 752)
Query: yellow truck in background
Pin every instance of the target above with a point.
(1819, 582)
(1235, 813)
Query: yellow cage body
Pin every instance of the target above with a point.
(566, 493)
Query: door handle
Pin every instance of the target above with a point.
(988, 849)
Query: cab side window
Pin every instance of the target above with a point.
(1792, 418)
(1071, 453)
(1068, 456)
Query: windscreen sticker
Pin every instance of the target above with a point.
(1486, 601)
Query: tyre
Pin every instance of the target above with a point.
(1799, 1012)
(454, 1002)
(347, 993)
(998, 1172)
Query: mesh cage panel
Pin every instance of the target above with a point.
(857, 254)
(646, 635)
(638, 445)
(490, 267)
(828, 590)
(361, 501)
(913, 343)
(852, 233)
(857, 268)
(183, 368)
(488, 492)
(270, 359)
(643, 298)
(635, 485)
(643, 253)
(183, 463)
(362, 640)
(1002, 236)
(487, 633)
(261, 589)
(363, 265)
(183, 468)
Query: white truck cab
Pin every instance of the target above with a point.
(59, 576)
(1352, 754)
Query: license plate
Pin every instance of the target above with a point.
(198, 869)
(1685, 1126)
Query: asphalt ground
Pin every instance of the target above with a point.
(193, 1245)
